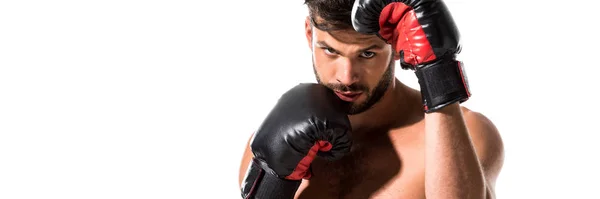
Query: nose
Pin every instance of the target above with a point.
(347, 72)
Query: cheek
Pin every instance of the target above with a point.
(323, 65)
(383, 62)
(375, 72)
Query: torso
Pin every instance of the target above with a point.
(388, 164)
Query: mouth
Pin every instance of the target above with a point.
(348, 96)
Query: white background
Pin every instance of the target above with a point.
(156, 99)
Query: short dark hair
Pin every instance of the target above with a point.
(335, 14)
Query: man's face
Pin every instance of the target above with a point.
(358, 67)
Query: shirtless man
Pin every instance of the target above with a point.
(361, 133)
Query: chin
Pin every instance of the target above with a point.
(358, 108)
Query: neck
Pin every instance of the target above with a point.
(399, 106)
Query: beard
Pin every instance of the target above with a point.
(372, 95)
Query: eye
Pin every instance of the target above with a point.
(329, 51)
(367, 54)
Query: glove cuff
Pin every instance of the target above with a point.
(442, 83)
(263, 185)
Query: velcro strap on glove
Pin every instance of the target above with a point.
(259, 184)
(442, 82)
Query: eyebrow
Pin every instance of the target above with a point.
(374, 46)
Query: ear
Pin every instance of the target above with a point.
(396, 55)
(308, 31)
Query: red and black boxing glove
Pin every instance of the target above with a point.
(424, 34)
(308, 121)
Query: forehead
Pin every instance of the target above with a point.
(346, 37)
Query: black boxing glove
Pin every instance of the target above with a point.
(423, 32)
(308, 121)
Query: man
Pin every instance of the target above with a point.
(372, 136)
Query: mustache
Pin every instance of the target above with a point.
(348, 88)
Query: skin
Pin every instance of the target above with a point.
(398, 151)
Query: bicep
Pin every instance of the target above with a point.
(246, 158)
(488, 146)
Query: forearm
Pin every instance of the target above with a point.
(452, 169)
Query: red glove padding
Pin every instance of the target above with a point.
(423, 32)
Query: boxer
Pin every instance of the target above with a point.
(360, 132)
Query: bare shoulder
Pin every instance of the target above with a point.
(487, 141)
(245, 160)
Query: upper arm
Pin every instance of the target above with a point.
(246, 158)
(488, 146)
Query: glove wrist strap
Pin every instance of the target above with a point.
(442, 83)
(259, 184)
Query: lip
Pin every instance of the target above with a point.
(348, 96)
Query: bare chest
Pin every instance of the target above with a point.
(378, 169)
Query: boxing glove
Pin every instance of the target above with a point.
(427, 40)
(307, 121)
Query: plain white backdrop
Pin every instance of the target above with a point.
(156, 99)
